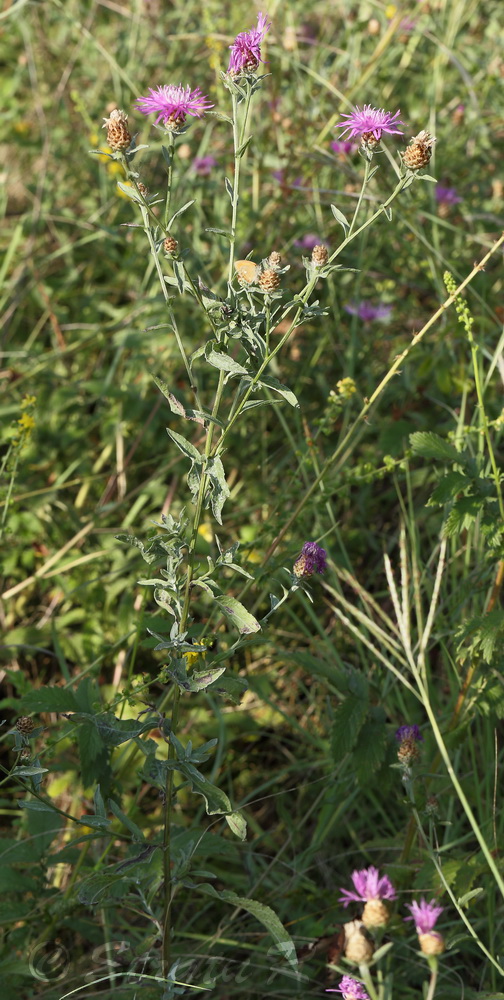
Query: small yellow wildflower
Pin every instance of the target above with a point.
(191, 658)
(26, 421)
(28, 401)
(346, 387)
(390, 11)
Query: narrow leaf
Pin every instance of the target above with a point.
(343, 221)
(264, 914)
(185, 446)
(238, 615)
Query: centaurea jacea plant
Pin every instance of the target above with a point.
(242, 318)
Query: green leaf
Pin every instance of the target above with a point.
(185, 446)
(238, 615)
(264, 914)
(26, 771)
(224, 362)
(430, 445)
(216, 801)
(96, 888)
(49, 699)
(130, 192)
(340, 218)
(348, 720)
(277, 386)
(241, 149)
(180, 211)
(463, 513)
(448, 488)
(199, 680)
(237, 824)
(126, 821)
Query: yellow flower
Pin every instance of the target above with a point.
(28, 401)
(390, 11)
(26, 422)
(346, 387)
(114, 168)
(190, 658)
(22, 127)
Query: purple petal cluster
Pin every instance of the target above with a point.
(408, 733)
(350, 989)
(344, 146)
(246, 48)
(173, 103)
(203, 165)
(424, 914)
(368, 885)
(367, 312)
(370, 120)
(311, 559)
(447, 195)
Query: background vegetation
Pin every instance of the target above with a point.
(306, 746)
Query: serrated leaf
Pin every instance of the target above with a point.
(225, 363)
(264, 914)
(185, 446)
(238, 615)
(49, 699)
(430, 445)
(448, 488)
(237, 824)
(348, 720)
(343, 221)
(463, 513)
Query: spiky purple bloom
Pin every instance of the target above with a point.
(350, 989)
(408, 733)
(447, 195)
(172, 104)
(366, 120)
(424, 914)
(203, 165)
(311, 559)
(246, 48)
(367, 312)
(368, 885)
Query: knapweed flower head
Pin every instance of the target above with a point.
(425, 916)
(371, 889)
(408, 737)
(118, 135)
(246, 48)
(311, 559)
(203, 165)
(419, 151)
(350, 989)
(359, 946)
(173, 103)
(370, 123)
(367, 312)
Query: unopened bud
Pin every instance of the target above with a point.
(118, 136)
(319, 255)
(269, 280)
(170, 245)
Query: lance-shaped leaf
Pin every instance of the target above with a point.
(266, 916)
(277, 386)
(237, 824)
(238, 615)
(216, 801)
(222, 361)
(220, 490)
(185, 446)
(199, 680)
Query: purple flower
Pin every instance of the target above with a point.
(202, 165)
(308, 242)
(351, 989)
(368, 885)
(173, 104)
(408, 733)
(424, 914)
(344, 146)
(368, 119)
(246, 48)
(446, 195)
(311, 559)
(368, 312)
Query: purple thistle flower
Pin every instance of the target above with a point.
(202, 165)
(172, 104)
(408, 733)
(344, 146)
(367, 312)
(246, 48)
(370, 120)
(311, 559)
(368, 885)
(447, 195)
(351, 989)
(424, 914)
